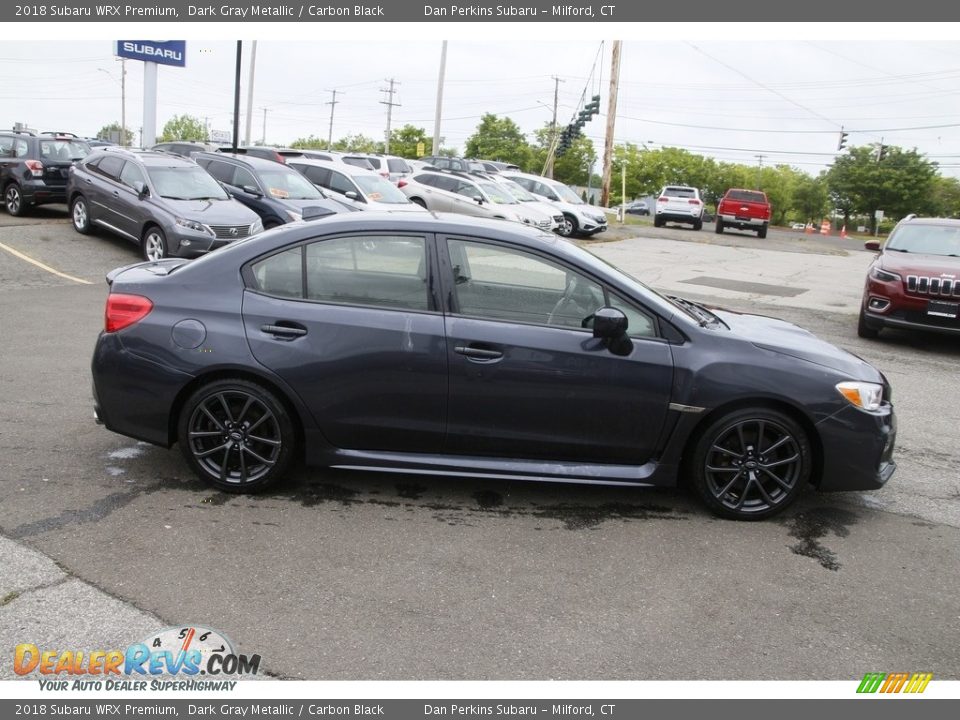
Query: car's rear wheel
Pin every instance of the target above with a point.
(154, 244)
(237, 435)
(719, 228)
(80, 215)
(864, 328)
(657, 221)
(13, 199)
(751, 463)
(568, 226)
(698, 224)
(762, 232)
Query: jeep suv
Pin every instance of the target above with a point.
(33, 168)
(678, 203)
(165, 203)
(914, 281)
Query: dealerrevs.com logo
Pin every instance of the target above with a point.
(910, 683)
(176, 658)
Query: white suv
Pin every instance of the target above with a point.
(578, 217)
(679, 203)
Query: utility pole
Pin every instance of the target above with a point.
(759, 170)
(611, 117)
(332, 103)
(436, 114)
(263, 140)
(236, 95)
(548, 171)
(253, 66)
(390, 105)
(123, 102)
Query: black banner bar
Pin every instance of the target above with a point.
(612, 11)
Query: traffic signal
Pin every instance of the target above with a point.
(882, 153)
(593, 107)
(583, 117)
(843, 140)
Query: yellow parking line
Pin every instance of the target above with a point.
(42, 266)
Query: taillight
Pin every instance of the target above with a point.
(401, 183)
(662, 198)
(693, 202)
(124, 310)
(35, 167)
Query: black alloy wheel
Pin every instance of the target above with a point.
(237, 435)
(751, 464)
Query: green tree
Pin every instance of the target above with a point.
(946, 197)
(498, 139)
(403, 141)
(107, 133)
(184, 127)
(810, 198)
(357, 143)
(902, 182)
(310, 143)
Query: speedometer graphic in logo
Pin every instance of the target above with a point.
(197, 642)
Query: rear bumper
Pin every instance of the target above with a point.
(38, 192)
(858, 449)
(674, 216)
(742, 223)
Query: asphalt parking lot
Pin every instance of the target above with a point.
(336, 576)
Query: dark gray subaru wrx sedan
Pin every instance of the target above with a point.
(472, 348)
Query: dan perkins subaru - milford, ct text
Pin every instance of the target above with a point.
(511, 11)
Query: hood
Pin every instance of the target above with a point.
(788, 339)
(924, 265)
(327, 203)
(212, 212)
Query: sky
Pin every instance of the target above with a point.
(784, 98)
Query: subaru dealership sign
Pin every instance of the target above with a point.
(163, 52)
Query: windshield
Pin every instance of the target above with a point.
(286, 184)
(380, 190)
(927, 240)
(518, 192)
(185, 183)
(566, 194)
(63, 149)
(497, 194)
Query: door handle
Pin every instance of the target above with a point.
(88, 181)
(478, 354)
(284, 330)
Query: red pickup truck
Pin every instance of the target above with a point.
(744, 210)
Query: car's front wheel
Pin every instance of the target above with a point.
(751, 463)
(864, 328)
(237, 435)
(80, 215)
(568, 226)
(154, 244)
(13, 199)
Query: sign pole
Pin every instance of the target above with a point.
(149, 104)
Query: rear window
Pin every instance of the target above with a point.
(746, 196)
(683, 192)
(360, 162)
(398, 165)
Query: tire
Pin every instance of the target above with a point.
(80, 214)
(719, 229)
(13, 199)
(762, 232)
(734, 472)
(237, 435)
(568, 227)
(698, 225)
(865, 329)
(418, 201)
(153, 245)
(657, 222)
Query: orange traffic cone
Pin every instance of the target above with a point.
(843, 232)
(825, 227)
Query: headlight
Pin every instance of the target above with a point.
(256, 227)
(866, 396)
(193, 225)
(294, 216)
(884, 276)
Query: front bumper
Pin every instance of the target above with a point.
(913, 320)
(858, 448)
(591, 225)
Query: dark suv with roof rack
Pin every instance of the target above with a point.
(914, 282)
(33, 168)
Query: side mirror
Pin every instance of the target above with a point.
(251, 190)
(872, 245)
(141, 188)
(609, 323)
(351, 194)
(479, 200)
